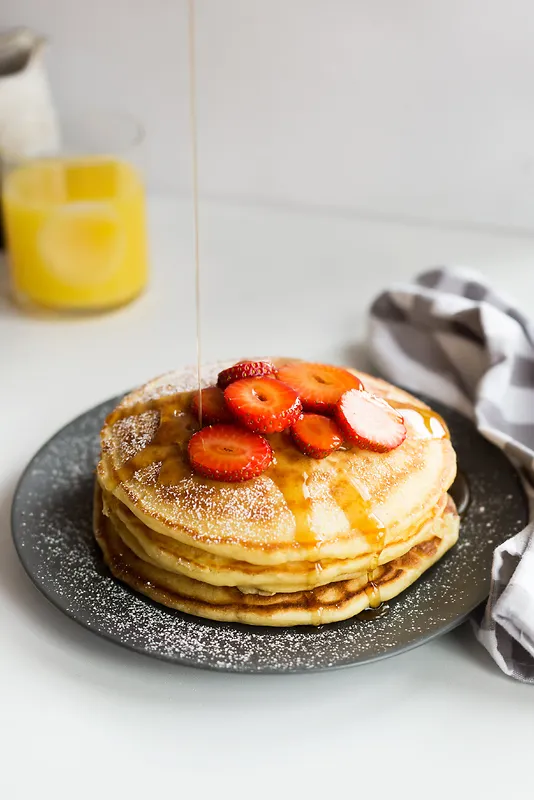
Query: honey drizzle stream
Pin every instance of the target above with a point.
(194, 164)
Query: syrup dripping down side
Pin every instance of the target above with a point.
(427, 424)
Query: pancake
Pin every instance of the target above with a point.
(331, 603)
(349, 506)
(174, 556)
(309, 541)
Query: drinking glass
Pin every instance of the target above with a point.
(75, 219)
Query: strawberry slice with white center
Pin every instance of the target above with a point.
(214, 408)
(319, 386)
(245, 369)
(369, 421)
(263, 405)
(228, 453)
(316, 436)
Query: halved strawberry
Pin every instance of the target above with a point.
(228, 453)
(316, 436)
(214, 408)
(319, 386)
(369, 421)
(245, 369)
(264, 405)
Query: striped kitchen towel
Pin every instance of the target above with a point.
(450, 336)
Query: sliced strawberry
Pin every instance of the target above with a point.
(264, 405)
(319, 386)
(316, 436)
(370, 422)
(228, 453)
(245, 369)
(214, 408)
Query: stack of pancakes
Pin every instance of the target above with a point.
(308, 542)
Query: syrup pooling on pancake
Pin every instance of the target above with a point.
(152, 437)
(426, 424)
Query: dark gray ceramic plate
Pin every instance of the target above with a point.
(51, 520)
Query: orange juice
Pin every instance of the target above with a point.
(76, 232)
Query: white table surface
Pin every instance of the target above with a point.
(81, 717)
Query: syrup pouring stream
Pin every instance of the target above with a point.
(194, 163)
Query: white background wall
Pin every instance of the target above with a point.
(419, 107)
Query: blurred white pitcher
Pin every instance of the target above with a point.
(28, 122)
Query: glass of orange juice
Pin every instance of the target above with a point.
(75, 221)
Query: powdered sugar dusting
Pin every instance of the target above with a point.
(148, 476)
(244, 502)
(53, 534)
(133, 434)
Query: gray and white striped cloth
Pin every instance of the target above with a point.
(450, 336)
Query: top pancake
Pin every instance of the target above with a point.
(301, 509)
